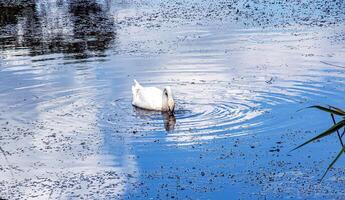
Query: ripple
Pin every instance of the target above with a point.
(213, 109)
(195, 121)
(65, 77)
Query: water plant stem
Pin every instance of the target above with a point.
(339, 136)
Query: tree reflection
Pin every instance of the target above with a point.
(82, 28)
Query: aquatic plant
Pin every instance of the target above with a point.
(337, 127)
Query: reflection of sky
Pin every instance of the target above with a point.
(228, 81)
(62, 104)
(67, 109)
(264, 71)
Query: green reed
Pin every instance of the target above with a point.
(335, 128)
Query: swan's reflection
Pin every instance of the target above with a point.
(169, 120)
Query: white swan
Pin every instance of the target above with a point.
(152, 98)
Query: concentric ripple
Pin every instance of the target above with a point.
(192, 122)
(69, 129)
(237, 108)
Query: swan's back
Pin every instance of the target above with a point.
(146, 97)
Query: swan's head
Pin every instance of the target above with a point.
(168, 100)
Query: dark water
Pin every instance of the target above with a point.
(239, 71)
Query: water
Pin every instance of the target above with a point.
(239, 72)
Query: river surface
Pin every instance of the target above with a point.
(240, 72)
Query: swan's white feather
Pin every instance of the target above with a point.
(147, 97)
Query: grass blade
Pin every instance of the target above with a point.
(338, 109)
(334, 128)
(335, 111)
(339, 136)
(332, 163)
